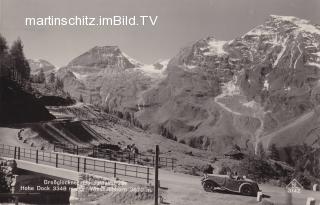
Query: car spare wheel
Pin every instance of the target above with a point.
(247, 190)
(209, 186)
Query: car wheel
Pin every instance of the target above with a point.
(247, 190)
(208, 186)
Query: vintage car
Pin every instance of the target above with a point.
(235, 184)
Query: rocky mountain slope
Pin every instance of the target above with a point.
(38, 64)
(257, 88)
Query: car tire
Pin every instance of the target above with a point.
(209, 186)
(247, 190)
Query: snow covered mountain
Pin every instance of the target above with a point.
(248, 89)
(38, 64)
(103, 73)
(254, 89)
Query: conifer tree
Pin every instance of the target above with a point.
(3, 57)
(274, 153)
(20, 69)
(80, 98)
(41, 76)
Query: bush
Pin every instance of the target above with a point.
(182, 141)
(257, 168)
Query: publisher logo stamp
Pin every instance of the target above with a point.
(294, 187)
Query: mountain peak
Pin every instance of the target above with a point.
(301, 25)
(105, 57)
(37, 64)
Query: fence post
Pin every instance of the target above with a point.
(19, 153)
(78, 164)
(15, 153)
(153, 161)
(156, 177)
(148, 171)
(172, 164)
(129, 157)
(115, 170)
(37, 154)
(311, 201)
(57, 160)
(84, 164)
(77, 150)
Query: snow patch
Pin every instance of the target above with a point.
(314, 64)
(266, 84)
(251, 104)
(215, 48)
(295, 64)
(302, 24)
(131, 60)
(258, 31)
(317, 54)
(230, 88)
(152, 71)
(284, 47)
(80, 76)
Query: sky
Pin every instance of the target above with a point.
(180, 23)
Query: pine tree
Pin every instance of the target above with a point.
(260, 151)
(274, 153)
(20, 69)
(41, 76)
(4, 64)
(52, 78)
(59, 84)
(80, 98)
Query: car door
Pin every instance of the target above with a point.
(220, 180)
(232, 184)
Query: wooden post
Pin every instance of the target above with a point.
(78, 164)
(37, 154)
(288, 198)
(172, 163)
(15, 153)
(77, 150)
(84, 164)
(16, 200)
(19, 153)
(311, 201)
(57, 160)
(156, 177)
(115, 170)
(259, 196)
(129, 157)
(315, 187)
(148, 171)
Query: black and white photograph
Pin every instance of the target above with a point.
(151, 102)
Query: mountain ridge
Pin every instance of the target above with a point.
(212, 93)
